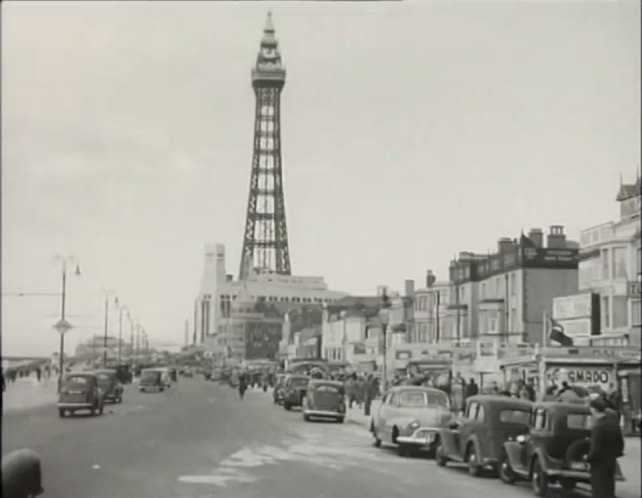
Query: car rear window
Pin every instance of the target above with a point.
(328, 389)
(77, 382)
(299, 382)
(515, 417)
(104, 377)
(579, 421)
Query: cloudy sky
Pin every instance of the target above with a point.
(411, 131)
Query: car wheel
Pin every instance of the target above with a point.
(161, 389)
(340, 419)
(539, 479)
(440, 457)
(506, 473)
(473, 465)
(62, 413)
(306, 418)
(287, 406)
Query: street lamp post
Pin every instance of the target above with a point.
(107, 296)
(384, 317)
(120, 329)
(63, 326)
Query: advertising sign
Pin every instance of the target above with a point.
(587, 377)
(633, 289)
(579, 314)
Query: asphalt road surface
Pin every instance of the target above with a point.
(199, 440)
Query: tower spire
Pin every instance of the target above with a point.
(265, 240)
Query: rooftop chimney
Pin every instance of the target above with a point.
(430, 279)
(409, 288)
(556, 238)
(537, 237)
(504, 245)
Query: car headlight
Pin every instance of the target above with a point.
(414, 424)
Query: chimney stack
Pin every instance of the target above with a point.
(430, 279)
(410, 288)
(556, 238)
(537, 237)
(504, 245)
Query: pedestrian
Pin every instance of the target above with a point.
(567, 394)
(607, 445)
(242, 384)
(530, 389)
(369, 394)
(38, 374)
(472, 388)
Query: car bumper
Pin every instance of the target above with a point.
(424, 436)
(76, 405)
(580, 475)
(324, 413)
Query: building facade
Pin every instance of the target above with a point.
(503, 296)
(431, 320)
(610, 266)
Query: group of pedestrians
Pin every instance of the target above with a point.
(10, 375)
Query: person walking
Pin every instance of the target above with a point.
(242, 384)
(607, 445)
(38, 374)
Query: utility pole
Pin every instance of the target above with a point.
(186, 332)
(105, 332)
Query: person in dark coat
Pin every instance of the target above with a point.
(243, 381)
(472, 388)
(607, 445)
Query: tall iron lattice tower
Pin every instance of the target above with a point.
(265, 240)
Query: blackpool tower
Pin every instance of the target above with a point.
(265, 239)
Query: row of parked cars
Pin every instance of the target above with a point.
(544, 443)
(317, 398)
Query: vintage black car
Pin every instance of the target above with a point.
(552, 450)
(108, 382)
(325, 399)
(477, 438)
(294, 389)
(277, 393)
(80, 391)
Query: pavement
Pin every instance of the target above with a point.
(27, 393)
(198, 440)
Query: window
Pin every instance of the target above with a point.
(620, 312)
(606, 315)
(638, 262)
(422, 331)
(619, 262)
(471, 410)
(514, 417)
(539, 420)
(636, 307)
(605, 264)
(483, 290)
(513, 284)
(578, 421)
(480, 413)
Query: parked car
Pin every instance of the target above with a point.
(108, 382)
(552, 449)
(151, 379)
(294, 389)
(410, 418)
(325, 399)
(80, 391)
(277, 393)
(477, 438)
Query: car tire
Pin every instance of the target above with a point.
(161, 389)
(62, 413)
(505, 471)
(440, 457)
(287, 406)
(340, 420)
(474, 469)
(306, 418)
(539, 479)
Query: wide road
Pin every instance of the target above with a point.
(199, 440)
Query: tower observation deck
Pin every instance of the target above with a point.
(265, 239)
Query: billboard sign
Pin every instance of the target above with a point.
(579, 314)
(585, 376)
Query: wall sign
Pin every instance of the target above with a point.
(587, 377)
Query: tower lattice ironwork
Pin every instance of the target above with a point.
(265, 240)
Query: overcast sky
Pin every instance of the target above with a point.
(411, 131)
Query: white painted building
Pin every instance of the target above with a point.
(610, 259)
(219, 290)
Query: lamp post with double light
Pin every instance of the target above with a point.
(63, 326)
(384, 317)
